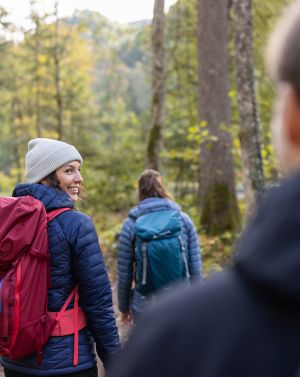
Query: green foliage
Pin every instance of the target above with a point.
(216, 251)
(108, 227)
(105, 81)
(104, 108)
(181, 154)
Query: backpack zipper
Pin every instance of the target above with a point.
(184, 257)
(144, 253)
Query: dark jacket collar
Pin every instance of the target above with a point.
(52, 198)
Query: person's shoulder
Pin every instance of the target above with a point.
(188, 304)
(77, 216)
(127, 229)
(76, 221)
(129, 220)
(186, 219)
(184, 323)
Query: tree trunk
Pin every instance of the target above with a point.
(37, 48)
(217, 183)
(157, 111)
(253, 175)
(37, 103)
(16, 117)
(58, 92)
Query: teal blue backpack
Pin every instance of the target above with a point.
(160, 252)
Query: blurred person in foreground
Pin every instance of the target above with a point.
(244, 321)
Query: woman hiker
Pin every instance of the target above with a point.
(155, 212)
(53, 175)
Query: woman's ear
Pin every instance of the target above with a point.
(291, 116)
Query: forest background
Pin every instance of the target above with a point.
(92, 82)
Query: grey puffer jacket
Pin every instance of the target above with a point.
(126, 247)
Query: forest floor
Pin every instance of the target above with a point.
(123, 329)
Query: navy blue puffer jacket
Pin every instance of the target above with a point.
(126, 248)
(75, 258)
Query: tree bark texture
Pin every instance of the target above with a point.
(57, 74)
(35, 19)
(217, 183)
(250, 133)
(158, 87)
(37, 80)
(17, 117)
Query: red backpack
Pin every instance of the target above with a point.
(25, 323)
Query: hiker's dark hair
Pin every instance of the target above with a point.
(151, 185)
(52, 180)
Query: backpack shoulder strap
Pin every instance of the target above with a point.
(52, 214)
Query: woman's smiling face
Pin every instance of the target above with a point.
(70, 178)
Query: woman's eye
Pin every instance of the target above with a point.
(69, 171)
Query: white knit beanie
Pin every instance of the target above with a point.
(44, 156)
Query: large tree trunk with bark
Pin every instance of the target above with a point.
(250, 136)
(157, 110)
(35, 19)
(16, 117)
(57, 77)
(217, 183)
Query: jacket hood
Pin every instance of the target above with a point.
(151, 205)
(51, 197)
(269, 252)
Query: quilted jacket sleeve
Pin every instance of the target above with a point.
(125, 265)
(194, 251)
(94, 286)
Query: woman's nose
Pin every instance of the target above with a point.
(78, 177)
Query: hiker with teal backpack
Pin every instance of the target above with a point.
(158, 248)
(78, 296)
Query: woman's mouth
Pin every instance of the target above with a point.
(73, 190)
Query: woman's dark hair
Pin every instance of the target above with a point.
(52, 180)
(151, 185)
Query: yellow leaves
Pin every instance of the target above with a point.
(43, 59)
(270, 163)
(236, 143)
(201, 134)
(264, 153)
(193, 130)
(267, 151)
(187, 154)
(232, 93)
